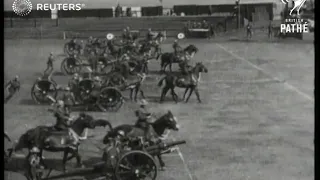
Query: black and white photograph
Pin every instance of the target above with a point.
(159, 90)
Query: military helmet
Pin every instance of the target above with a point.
(97, 78)
(60, 103)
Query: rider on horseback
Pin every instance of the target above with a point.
(150, 35)
(64, 121)
(177, 48)
(62, 116)
(73, 83)
(72, 44)
(68, 99)
(143, 117)
(97, 84)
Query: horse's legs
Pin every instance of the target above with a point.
(191, 91)
(136, 89)
(197, 94)
(146, 70)
(131, 93)
(41, 158)
(165, 67)
(185, 92)
(170, 66)
(142, 93)
(78, 157)
(174, 95)
(163, 93)
(65, 159)
(162, 164)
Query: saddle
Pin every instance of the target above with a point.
(60, 138)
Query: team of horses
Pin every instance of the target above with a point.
(128, 72)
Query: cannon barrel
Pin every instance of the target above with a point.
(163, 146)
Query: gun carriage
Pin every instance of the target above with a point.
(123, 164)
(46, 91)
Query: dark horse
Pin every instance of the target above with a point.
(170, 58)
(48, 139)
(188, 81)
(166, 122)
(117, 50)
(125, 77)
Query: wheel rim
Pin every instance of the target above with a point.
(136, 165)
(85, 87)
(110, 100)
(41, 95)
(69, 66)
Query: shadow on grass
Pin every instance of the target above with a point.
(58, 73)
(29, 102)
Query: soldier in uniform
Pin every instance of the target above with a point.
(149, 35)
(249, 30)
(177, 48)
(49, 64)
(96, 89)
(124, 35)
(93, 62)
(143, 117)
(270, 30)
(68, 99)
(12, 86)
(73, 84)
(72, 43)
(64, 121)
(62, 116)
(129, 35)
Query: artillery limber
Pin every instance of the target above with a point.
(124, 164)
(71, 65)
(45, 91)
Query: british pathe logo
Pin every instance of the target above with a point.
(297, 5)
(22, 7)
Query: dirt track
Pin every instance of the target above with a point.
(256, 121)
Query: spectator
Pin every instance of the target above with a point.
(210, 10)
(194, 25)
(129, 12)
(188, 24)
(199, 25)
(118, 10)
(212, 31)
(205, 24)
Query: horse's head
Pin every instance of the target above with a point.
(200, 67)
(171, 121)
(87, 120)
(191, 49)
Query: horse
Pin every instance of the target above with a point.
(126, 78)
(160, 128)
(8, 138)
(48, 139)
(188, 81)
(117, 50)
(170, 58)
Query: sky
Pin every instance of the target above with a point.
(93, 4)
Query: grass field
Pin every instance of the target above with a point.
(256, 121)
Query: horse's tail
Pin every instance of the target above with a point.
(19, 144)
(102, 122)
(163, 60)
(161, 81)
